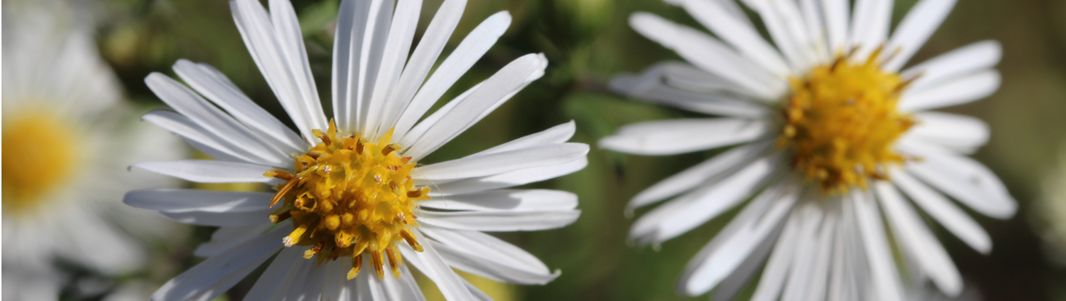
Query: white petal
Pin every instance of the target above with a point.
(369, 78)
(839, 273)
(509, 179)
(383, 110)
(363, 289)
(959, 62)
(403, 287)
(281, 61)
(469, 51)
(772, 281)
(816, 29)
(698, 174)
(787, 29)
(424, 125)
(915, 29)
(289, 40)
(209, 171)
(279, 275)
(861, 279)
(857, 268)
(181, 200)
(883, 269)
(202, 207)
(803, 21)
(963, 179)
(211, 152)
(485, 98)
(806, 15)
(487, 165)
(816, 288)
(474, 290)
(226, 238)
(959, 133)
(734, 283)
(555, 135)
(943, 211)
(506, 200)
(814, 219)
(214, 85)
(499, 221)
(197, 109)
(430, 263)
(372, 42)
(683, 135)
(836, 24)
(916, 239)
(737, 31)
(696, 207)
(425, 56)
(308, 284)
(489, 257)
(960, 90)
(247, 217)
(401, 35)
(207, 141)
(709, 54)
(347, 49)
(734, 244)
(214, 276)
(335, 284)
(688, 89)
(869, 26)
(679, 75)
(428, 123)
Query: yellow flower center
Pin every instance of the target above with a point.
(841, 122)
(350, 196)
(39, 155)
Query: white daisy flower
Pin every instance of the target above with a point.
(829, 132)
(65, 150)
(353, 198)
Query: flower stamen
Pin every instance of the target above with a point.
(348, 197)
(841, 121)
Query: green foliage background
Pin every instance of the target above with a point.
(586, 42)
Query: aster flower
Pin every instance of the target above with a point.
(830, 137)
(65, 130)
(353, 203)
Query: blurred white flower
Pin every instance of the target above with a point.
(828, 131)
(352, 202)
(67, 142)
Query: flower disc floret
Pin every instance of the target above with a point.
(350, 196)
(841, 121)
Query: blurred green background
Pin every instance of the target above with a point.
(586, 42)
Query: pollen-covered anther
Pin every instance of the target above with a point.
(350, 197)
(841, 121)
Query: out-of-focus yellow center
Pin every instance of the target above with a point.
(350, 196)
(39, 155)
(841, 122)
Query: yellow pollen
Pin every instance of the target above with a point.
(40, 154)
(349, 197)
(840, 123)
